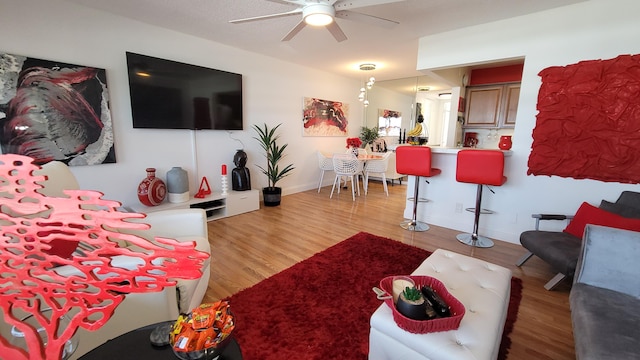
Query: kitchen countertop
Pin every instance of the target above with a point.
(447, 150)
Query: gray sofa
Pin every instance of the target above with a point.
(605, 296)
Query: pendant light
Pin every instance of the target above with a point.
(363, 96)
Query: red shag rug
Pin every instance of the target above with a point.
(320, 307)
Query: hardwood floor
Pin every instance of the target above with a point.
(250, 247)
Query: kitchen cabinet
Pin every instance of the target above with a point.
(511, 104)
(492, 106)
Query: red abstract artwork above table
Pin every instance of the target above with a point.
(324, 117)
(85, 289)
(588, 125)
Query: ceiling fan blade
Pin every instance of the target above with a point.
(293, 32)
(263, 17)
(289, 2)
(337, 33)
(369, 19)
(354, 4)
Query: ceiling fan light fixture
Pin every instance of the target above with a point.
(318, 14)
(367, 67)
(318, 19)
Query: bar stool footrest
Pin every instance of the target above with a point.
(482, 211)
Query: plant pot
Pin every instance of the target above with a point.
(412, 310)
(272, 196)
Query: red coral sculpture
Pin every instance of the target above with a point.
(94, 285)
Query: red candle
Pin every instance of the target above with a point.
(224, 169)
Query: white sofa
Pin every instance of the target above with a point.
(140, 309)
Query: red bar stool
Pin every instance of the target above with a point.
(482, 167)
(416, 161)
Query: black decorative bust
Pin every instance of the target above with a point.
(240, 177)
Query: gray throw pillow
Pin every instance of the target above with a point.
(619, 209)
(629, 198)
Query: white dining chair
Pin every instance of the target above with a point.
(348, 166)
(325, 163)
(377, 167)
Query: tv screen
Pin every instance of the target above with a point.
(172, 95)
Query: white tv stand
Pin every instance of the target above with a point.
(216, 205)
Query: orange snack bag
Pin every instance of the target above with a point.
(206, 338)
(186, 340)
(204, 316)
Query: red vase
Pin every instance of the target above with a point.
(505, 142)
(151, 191)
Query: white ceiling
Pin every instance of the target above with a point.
(395, 49)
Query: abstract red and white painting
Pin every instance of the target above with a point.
(55, 111)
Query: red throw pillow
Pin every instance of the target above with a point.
(589, 214)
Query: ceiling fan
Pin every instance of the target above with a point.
(324, 12)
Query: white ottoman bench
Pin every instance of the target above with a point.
(482, 287)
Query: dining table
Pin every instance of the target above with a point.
(363, 158)
(367, 157)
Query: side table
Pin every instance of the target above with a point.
(135, 345)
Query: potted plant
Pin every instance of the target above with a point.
(268, 139)
(412, 304)
(368, 135)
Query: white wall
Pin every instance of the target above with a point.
(273, 93)
(594, 29)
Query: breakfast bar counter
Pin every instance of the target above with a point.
(447, 150)
(448, 198)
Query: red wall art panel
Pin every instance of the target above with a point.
(588, 124)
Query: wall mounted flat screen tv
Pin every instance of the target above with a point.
(172, 95)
